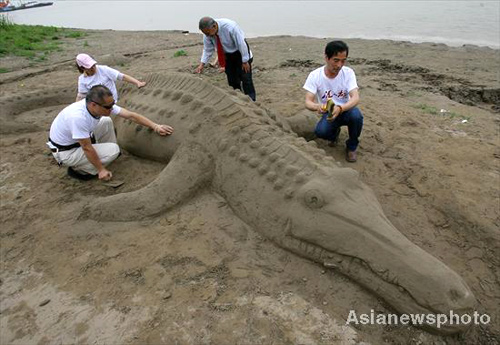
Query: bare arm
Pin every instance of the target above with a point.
(311, 103)
(353, 100)
(338, 109)
(93, 158)
(134, 81)
(144, 121)
(80, 96)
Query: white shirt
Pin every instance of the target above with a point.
(337, 88)
(74, 123)
(232, 39)
(104, 75)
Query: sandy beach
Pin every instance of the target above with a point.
(198, 274)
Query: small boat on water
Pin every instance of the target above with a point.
(7, 6)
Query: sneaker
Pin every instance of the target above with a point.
(351, 156)
(79, 176)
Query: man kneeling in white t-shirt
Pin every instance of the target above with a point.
(336, 82)
(75, 127)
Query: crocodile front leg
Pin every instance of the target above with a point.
(190, 168)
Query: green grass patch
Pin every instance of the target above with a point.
(413, 93)
(74, 34)
(31, 41)
(427, 109)
(453, 115)
(4, 21)
(3, 70)
(181, 52)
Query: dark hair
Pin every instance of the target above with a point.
(206, 23)
(336, 47)
(97, 94)
(80, 69)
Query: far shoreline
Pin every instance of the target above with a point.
(452, 43)
(391, 40)
(394, 40)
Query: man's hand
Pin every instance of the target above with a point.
(93, 157)
(163, 129)
(335, 113)
(322, 108)
(246, 67)
(222, 69)
(105, 174)
(140, 84)
(199, 69)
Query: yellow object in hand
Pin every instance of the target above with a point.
(330, 104)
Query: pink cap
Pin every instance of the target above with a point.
(85, 61)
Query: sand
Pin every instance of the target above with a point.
(198, 274)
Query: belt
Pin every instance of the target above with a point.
(69, 147)
(63, 147)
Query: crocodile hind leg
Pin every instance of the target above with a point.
(189, 169)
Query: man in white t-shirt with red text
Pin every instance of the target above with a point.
(336, 82)
(82, 136)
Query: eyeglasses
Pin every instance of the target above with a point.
(109, 107)
(210, 31)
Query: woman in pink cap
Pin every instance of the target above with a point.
(93, 74)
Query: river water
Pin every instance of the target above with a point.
(451, 22)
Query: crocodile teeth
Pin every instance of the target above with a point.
(288, 227)
(395, 280)
(330, 265)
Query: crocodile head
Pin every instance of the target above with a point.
(343, 226)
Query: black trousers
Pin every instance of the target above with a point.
(236, 77)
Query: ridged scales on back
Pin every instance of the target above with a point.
(233, 125)
(286, 188)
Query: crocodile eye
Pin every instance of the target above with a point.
(314, 199)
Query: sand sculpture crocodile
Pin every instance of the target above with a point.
(283, 186)
(10, 106)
